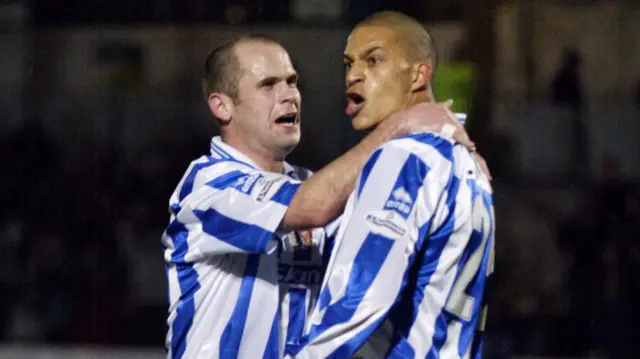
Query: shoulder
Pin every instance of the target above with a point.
(210, 168)
(208, 171)
(426, 147)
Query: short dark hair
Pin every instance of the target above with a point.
(222, 69)
(418, 42)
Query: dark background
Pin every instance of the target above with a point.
(91, 154)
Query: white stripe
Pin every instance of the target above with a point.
(262, 309)
(450, 347)
(285, 303)
(174, 295)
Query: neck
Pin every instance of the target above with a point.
(420, 97)
(264, 158)
(414, 99)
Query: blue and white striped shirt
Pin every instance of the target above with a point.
(416, 245)
(238, 287)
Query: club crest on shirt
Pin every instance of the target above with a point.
(301, 238)
(307, 237)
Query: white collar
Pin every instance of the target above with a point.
(223, 150)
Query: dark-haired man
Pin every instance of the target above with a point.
(416, 239)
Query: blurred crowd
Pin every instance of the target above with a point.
(81, 258)
(589, 310)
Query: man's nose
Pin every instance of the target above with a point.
(354, 75)
(290, 94)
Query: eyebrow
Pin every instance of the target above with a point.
(364, 53)
(293, 77)
(273, 79)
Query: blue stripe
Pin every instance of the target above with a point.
(411, 178)
(286, 193)
(228, 156)
(232, 335)
(166, 274)
(178, 234)
(214, 150)
(221, 150)
(248, 237)
(175, 209)
(226, 180)
(324, 298)
(441, 144)
(329, 243)
(366, 170)
(297, 313)
(476, 346)
(187, 186)
(188, 281)
(272, 350)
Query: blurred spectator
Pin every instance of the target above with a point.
(566, 88)
(567, 91)
(636, 94)
(141, 248)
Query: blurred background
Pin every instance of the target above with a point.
(101, 112)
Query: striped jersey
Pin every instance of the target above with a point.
(238, 287)
(416, 246)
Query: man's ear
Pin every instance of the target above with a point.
(421, 75)
(221, 106)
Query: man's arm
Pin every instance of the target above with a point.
(322, 197)
(384, 227)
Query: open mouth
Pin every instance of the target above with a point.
(288, 119)
(355, 102)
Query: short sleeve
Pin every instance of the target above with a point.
(229, 208)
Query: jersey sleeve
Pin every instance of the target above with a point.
(376, 244)
(227, 208)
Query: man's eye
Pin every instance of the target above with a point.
(347, 65)
(373, 60)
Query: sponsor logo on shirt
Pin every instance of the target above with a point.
(386, 223)
(300, 275)
(245, 183)
(263, 189)
(400, 200)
